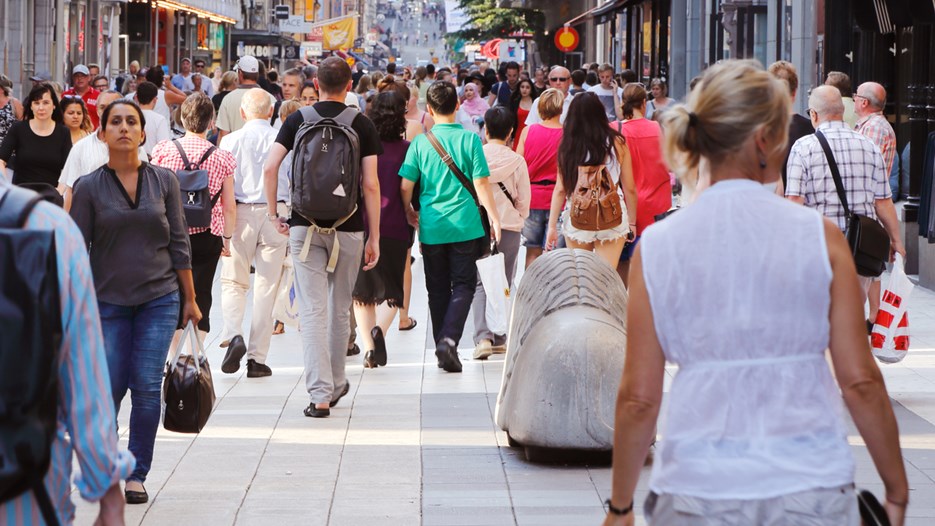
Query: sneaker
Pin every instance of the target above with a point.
(235, 352)
(483, 350)
(257, 370)
(353, 351)
(447, 353)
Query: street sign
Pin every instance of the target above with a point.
(282, 12)
(295, 24)
(312, 49)
(350, 61)
(566, 39)
(434, 60)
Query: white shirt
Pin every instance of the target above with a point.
(606, 95)
(157, 130)
(161, 107)
(85, 156)
(533, 117)
(746, 318)
(250, 146)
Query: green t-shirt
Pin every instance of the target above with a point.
(448, 213)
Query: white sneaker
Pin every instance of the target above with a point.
(483, 350)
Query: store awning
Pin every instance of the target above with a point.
(601, 12)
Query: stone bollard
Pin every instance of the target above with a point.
(565, 356)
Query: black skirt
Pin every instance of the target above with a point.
(384, 282)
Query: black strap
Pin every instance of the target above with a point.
(446, 158)
(44, 502)
(835, 174)
(507, 192)
(272, 120)
(186, 162)
(15, 206)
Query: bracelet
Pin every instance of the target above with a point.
(617, 511)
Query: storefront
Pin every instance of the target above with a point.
(276, 51)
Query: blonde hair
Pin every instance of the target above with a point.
(785, 71)
(735, 99)
(551, 103)
(228, 81)
(288, 107)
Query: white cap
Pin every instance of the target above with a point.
(81, 68)
(248, 64)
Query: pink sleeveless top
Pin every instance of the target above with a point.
(541, 154)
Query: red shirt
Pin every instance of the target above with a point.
(90, 100)
(653, 185)
(541, 154)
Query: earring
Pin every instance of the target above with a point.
(762, 164)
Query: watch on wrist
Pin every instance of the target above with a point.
(272, 216)
(618, 511)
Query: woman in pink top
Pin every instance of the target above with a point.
(538, 144)
(653, 185)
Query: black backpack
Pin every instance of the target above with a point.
(197, 201)
(326, 167)
(31, 329)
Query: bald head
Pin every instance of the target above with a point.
(827, 103)
(560, 79)
(870, 98)
(256, 104)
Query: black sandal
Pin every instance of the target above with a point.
(136, 497)
(412, 325)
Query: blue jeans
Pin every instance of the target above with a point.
(136, 341)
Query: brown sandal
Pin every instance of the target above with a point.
(279, 327)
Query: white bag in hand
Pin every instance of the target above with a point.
(286, 308)
(492, 271)
(890, 337)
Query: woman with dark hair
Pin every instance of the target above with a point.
(40, 142)
(309, 95)
(75, 117)
(131, 217)
(11, 110)
(384, 283)
(586, 146)
(520, 104)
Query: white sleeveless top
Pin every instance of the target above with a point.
(739, 284)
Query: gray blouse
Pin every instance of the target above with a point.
(135, 245)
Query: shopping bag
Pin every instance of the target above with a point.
(188, 389)
(286, 307)
(492, 271)
(890, 336)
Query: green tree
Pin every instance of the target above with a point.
(487, 21)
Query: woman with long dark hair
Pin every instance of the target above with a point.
(40, 141)
(384, 283)
(520, 103)
(588, 146)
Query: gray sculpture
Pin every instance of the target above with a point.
(565, 355)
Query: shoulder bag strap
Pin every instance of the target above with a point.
(187, 165)
(507, 192)
(272, 120)
(835, 174)
(446, 158)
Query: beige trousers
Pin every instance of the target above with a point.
(256, 242)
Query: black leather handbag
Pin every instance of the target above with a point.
(869, 242)
(188, 388)
(872, 512)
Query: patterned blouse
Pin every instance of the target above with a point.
(7, 118)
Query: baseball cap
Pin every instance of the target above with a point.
(248, 64)
(82, 69)
(42, 76)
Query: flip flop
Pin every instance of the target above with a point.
(411, 325)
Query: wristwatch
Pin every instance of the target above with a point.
(272, 217)
(618, 511)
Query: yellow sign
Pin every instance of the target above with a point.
(434, 60)
(350, 61)
(340, 34)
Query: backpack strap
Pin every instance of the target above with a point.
(15, 206)
(347, 116)
(187, 165)
(272, 120)
(310, 114)
(204, 157)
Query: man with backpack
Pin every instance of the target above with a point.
(335, 198)
(51, 376)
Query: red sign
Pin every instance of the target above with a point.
(566, 39)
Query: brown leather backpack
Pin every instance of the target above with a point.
(595, 204)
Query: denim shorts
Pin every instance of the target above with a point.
(536, 227)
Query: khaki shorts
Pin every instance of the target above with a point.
(818, 507)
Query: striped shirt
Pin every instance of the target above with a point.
(86, 419)
(876, 128)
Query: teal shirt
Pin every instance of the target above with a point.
(448, 213)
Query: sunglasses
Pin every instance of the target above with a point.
(199, 66)
(558, 79)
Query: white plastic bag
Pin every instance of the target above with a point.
(286, 308)
(492, 271)
(890, 337)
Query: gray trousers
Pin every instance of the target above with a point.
(324, 303)
(818, 507)
(509, 247)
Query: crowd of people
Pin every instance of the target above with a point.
(330, 176)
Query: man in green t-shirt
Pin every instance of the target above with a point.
(449, 223)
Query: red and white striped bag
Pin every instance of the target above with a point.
(890, 337)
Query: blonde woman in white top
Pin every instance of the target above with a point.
(745, 291)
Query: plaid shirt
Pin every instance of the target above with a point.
(862, 170)
(220, 165)
(876, 128)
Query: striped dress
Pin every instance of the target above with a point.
(86, 420)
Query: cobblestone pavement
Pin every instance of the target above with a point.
(412, 445)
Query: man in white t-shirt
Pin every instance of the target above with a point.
(89, 153)
(609, 93)
(157, 127)
(560, 79)
(229, 118)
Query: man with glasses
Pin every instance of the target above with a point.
(560, 79)
(81, 86)
(100, 83)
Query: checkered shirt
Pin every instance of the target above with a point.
(220, 165)
(876, 128)
(862, 170)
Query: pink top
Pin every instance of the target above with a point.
(541, 154)
(650, 173)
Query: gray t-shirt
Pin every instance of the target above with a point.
(136, 244)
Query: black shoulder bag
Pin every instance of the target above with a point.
(486, 244)
(869, 242)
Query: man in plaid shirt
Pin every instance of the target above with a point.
(863, 171)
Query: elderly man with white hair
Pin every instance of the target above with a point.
(560, 79)
(255, 240)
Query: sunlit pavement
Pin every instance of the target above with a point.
(413, 445)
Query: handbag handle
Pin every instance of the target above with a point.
(835, 174)
(197, 347)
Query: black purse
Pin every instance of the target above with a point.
(486, 243)
(872, 512)
(869, 242)
(188, 388)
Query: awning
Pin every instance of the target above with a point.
(360, 58)
(600, 12)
